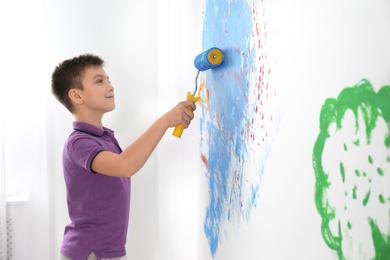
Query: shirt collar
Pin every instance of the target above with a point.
(90, 129)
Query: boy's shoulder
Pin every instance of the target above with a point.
(82, 135)
(81, 128)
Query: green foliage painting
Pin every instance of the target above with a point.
(351, 161)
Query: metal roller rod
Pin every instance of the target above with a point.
(196, 83)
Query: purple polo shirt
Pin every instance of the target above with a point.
(98, 204)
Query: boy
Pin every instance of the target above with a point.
(97, 172)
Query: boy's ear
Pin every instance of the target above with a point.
(75, 96)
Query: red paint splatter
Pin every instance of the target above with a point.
(205, 161)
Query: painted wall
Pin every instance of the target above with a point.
(295, 130)
(262, 188)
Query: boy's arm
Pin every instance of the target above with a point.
(135, 155)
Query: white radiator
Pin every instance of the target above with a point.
(10, 239)
(16, 231)
(6, 249)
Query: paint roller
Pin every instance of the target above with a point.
(209, 59)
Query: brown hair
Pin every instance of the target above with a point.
(69, 74)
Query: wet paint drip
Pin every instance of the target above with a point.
(239, 113)
(352, 192)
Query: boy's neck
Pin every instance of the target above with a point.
(95, 121)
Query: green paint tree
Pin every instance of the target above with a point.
(353, 196)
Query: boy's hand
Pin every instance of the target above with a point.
(181, 114)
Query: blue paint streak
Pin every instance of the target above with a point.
(228, 27)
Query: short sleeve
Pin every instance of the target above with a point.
(83, 151)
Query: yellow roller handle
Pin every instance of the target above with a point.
(179, 129)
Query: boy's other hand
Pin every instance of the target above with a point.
(181, 114)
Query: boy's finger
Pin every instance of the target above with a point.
(190, 114)
(190, 103)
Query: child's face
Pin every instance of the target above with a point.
(98, 93)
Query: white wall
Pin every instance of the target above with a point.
(24, 74)
(181, 184)
(321, 47)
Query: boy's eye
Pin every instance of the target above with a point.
(101, 81)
